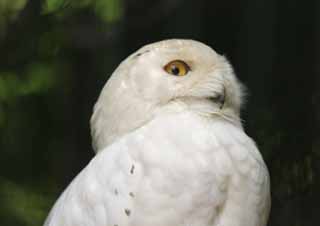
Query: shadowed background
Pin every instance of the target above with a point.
(56, 55)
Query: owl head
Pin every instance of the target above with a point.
(171, 75)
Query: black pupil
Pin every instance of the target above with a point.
(175, 70)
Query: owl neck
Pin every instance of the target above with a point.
(113, 119)
(203, 107)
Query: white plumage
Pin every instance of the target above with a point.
(171, 150)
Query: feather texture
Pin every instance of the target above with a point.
(171, 150)
(211, 174)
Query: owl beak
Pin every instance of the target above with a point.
(219, 98)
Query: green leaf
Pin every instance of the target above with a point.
(53, 5)
(109, 10)
(63, 6)
(40, 79)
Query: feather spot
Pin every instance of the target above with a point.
(127, 211)
(131, 194)
(116, 191)
(132, 169)
(139, 54)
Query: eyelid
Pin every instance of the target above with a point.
(181, 62)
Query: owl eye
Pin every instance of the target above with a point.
(177, 68)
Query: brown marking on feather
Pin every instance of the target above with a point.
(127, 211)
(132, 169)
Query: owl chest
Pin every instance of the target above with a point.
(174, 185)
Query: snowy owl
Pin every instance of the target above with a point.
(171, 150)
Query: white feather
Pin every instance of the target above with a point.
(166, 155)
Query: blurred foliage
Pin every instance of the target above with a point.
(39, 78)
(37, 95)
(24, 206)
(57, 54)
(9, 10)
(107, 10)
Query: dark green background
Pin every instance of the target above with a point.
(56, 55)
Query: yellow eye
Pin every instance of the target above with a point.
(177, 68)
